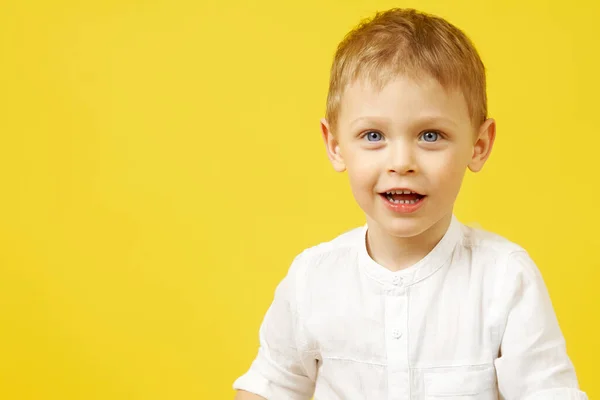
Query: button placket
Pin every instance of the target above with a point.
(396, 346)
(397, 280)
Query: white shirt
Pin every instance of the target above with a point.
(471, 320)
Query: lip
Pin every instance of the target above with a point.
(402, 188)
(402, 208)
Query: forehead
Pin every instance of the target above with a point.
(403, 99)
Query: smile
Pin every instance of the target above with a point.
(403, 200)
(404, 196)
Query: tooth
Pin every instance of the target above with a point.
(407, 192)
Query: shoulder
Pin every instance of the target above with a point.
(342, 247)
(481, 240)
(511, 260)
(313, 270)
(337, 255)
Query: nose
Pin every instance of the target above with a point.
(401, 158)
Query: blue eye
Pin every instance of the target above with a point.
(430, 136)
(374, 136)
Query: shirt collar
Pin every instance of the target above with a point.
(428, 265)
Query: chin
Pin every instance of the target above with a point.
(404, 227)
(407, 229)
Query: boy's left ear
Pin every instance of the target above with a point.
(483, 145)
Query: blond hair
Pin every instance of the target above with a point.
(411, 43)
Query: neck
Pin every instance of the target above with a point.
(397, 253)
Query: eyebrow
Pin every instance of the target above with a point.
(424, 120)
(377, 120)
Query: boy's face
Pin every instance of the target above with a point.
(413, 135)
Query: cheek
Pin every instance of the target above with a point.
(447, 170)
(361, 178)
(363, 171)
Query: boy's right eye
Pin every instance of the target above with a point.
(373, 136)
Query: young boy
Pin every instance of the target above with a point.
(414, 305)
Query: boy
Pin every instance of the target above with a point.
(414, 305)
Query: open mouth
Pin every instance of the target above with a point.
(403, 197)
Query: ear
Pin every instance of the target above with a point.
(333, 148)
(483, 145)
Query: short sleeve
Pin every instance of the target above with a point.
(281, 370)
(533, 362)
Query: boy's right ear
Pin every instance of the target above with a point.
(333, 148)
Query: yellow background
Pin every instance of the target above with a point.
(161, 165)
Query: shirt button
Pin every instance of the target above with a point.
(397, 280)
(396, 334)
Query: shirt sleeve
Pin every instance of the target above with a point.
(281, 370)
(533, 362)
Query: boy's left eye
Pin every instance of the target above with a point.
(374, 136)
(430, 136)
